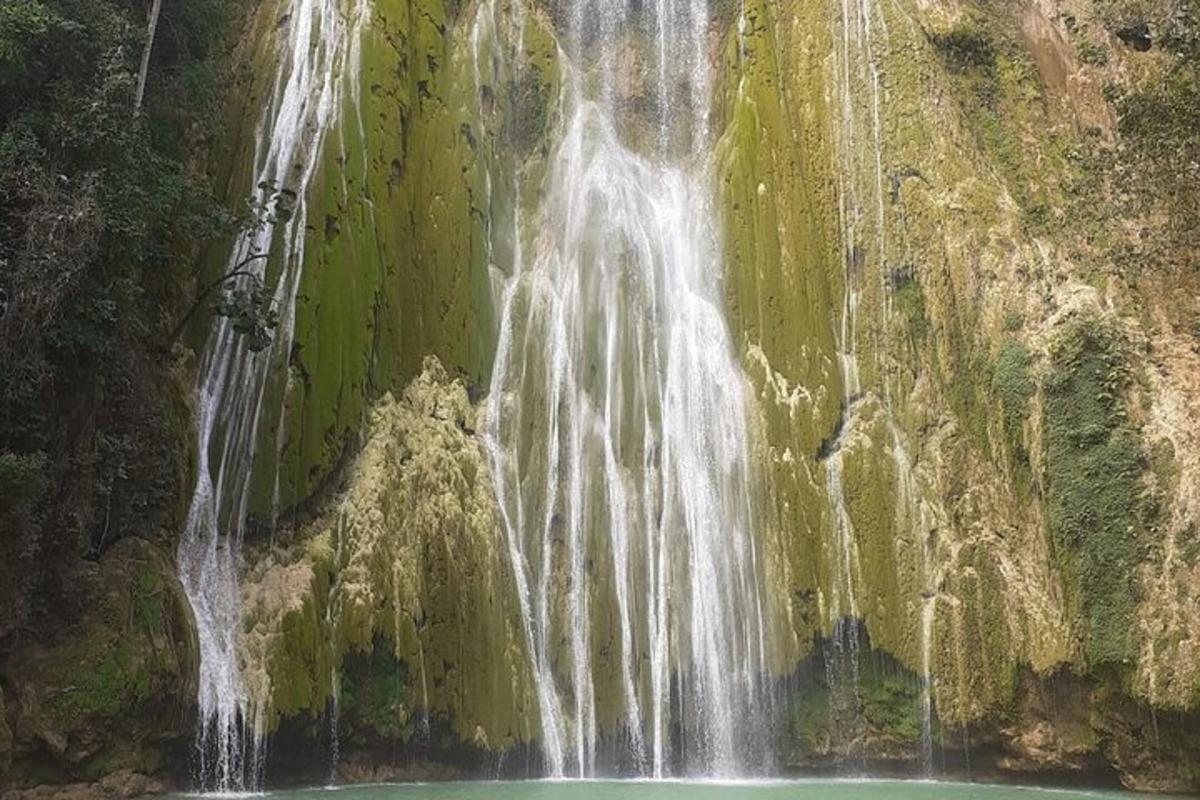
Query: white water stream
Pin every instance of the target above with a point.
(617, 423)
(316, 41)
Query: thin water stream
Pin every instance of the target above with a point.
(316, 49)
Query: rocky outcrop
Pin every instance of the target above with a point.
(120, 785)
(112, 688)
(397, 604)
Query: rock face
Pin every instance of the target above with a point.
(1005, 407)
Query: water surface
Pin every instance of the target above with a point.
(696, 790)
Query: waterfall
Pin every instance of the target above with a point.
(315, 40)
(617, 424)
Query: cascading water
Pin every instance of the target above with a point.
(315, 41)
(617, 423)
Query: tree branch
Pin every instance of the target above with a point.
(144, 71)
(237, 272)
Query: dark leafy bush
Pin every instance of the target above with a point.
(967, 45)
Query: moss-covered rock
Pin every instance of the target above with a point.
(404, 582)
(111, 689)
(781, 277)
(1093, 464)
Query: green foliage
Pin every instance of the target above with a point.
(891, 706)
(104, 685)
(251, 309)
(1090, 53)
(909, 302)
(809, 718)
(93, 198)
(375, 692)
(101, 211)
(22, 483)
(968, 45)
(1013, 384)
(1093, 465)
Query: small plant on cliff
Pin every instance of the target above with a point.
(244, 297)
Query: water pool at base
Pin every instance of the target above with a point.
(693, 790)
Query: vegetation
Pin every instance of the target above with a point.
(1014, 385)
(999, 88)
(1093, 465)
(375, 692)
(102, 208)
(1147, 178)
(891, 705)
(966, 46)
(809, 719)
(910, 302)
(1160, 119)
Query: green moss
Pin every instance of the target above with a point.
(400, 589)
(532, 90)
(967, 388)
(966, 46)
(102, 686)
(887, 574)
(409, 209)
(891, 706)
(123, 655)
(975, 664)
(909, 301)
(782, 273)
(1001, 93)
(376, 693)
(147, 601)
(1013, 384)
(1093, 484)
(809, 718)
